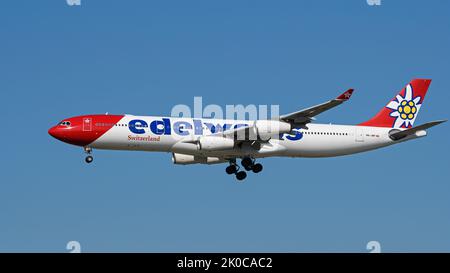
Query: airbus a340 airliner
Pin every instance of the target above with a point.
(210, 141)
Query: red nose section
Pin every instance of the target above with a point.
(56, 133)
(83, 130)
(53, 132)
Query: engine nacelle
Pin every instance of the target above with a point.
(184, 159)
(215, 143)
(266, 129)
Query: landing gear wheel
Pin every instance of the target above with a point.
(257, 168)
(89, 159)
(241, 175)
(247, 162)
(231, 169)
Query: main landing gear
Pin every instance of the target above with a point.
(247, 163)
(89, 158)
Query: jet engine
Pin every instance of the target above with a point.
(215, 143)
(267, 129)
(184, 159)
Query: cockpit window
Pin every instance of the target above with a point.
(65, 123)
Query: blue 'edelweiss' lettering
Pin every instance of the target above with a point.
(298, 135)
(135, 126)
(182, 128)
(217, 128)
(165, 127)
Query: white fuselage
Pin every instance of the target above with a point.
(178, 135)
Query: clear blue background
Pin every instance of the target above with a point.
(143, 57)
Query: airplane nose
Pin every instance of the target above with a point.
(54, 132)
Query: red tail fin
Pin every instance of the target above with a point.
(402, 110)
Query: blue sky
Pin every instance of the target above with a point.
(143, 57)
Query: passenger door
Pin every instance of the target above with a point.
(87, 124)
(359, 134)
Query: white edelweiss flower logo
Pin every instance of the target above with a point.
(405, 108)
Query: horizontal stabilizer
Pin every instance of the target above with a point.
(396, 135)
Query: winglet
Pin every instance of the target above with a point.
(346, 95)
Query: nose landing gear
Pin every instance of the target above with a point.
(89, 158)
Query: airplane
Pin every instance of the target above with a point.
(212, 141)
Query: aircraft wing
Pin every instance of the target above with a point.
(305, 116)
(402, 134)
(297, 119)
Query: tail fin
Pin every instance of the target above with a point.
(401, 111)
